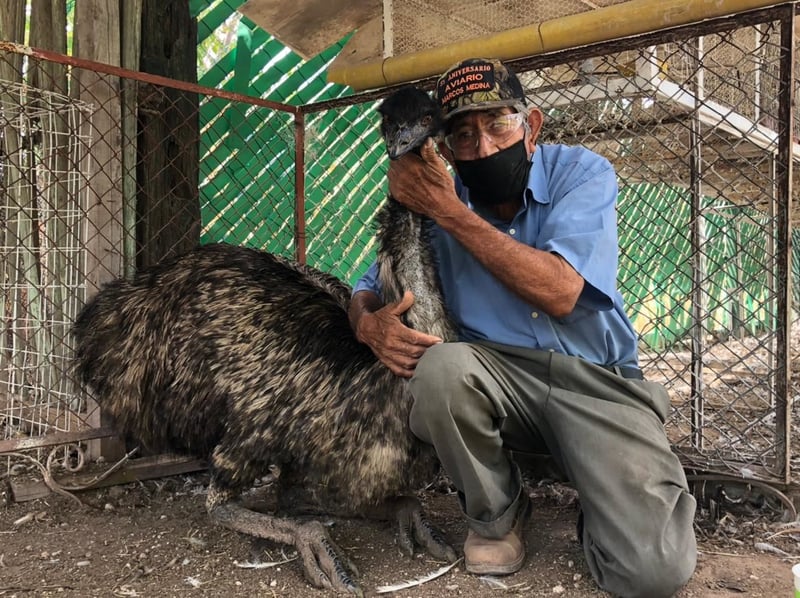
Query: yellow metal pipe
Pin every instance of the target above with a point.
(634, 17)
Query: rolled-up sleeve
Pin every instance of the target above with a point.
(369, 281)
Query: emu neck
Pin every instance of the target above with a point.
(406, 263)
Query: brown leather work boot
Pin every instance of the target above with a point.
(503, 556)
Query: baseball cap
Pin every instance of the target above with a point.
(478, 84)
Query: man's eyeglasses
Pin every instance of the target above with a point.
(464, 139)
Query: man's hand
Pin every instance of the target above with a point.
(395, 344)
(423, 184)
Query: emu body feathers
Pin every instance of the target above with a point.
(248, 359)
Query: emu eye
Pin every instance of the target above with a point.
(426, 120)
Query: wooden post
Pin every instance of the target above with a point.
(131, 47)
(48, 30)
(168, 197)
(97, 37)
(12, 28)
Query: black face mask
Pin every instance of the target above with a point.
(496, 179)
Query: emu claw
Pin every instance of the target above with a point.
(324, 563)
(415, 529)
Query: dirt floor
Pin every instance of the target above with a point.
(153, 538)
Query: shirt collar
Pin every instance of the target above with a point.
(537, 181)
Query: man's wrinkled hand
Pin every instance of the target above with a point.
(423, 184)
(396, 345)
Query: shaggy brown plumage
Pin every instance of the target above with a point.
(249, 359)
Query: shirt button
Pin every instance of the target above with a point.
(534, 314)
(512, 231)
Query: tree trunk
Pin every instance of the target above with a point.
(12, 28)
(168, 207)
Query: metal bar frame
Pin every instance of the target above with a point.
(784, 171)
(784, 13)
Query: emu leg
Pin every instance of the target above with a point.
(324, 563)
(414, 529)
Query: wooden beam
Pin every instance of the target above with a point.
(27, 443)
(146, 468)
(310, 26)
(131, 48)
(364, 46)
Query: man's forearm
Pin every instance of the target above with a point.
(540, 278)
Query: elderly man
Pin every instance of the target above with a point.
(546, 363)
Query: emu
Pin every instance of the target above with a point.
(248, 359)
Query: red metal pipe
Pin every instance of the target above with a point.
(118, 71)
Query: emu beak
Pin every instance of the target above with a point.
(406, 139)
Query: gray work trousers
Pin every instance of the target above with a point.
(477, 403)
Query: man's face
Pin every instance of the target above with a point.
(478, 134)
(481, 133)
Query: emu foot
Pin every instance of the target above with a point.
(415, 529)
(324, 564)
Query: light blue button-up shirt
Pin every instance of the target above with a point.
(569, 209)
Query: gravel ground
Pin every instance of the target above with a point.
(154, 539)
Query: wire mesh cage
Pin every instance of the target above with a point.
(346, 169)
(696, 122)
(43, 141)
(692, 128)
(247, 166)
(122, 174)
(416, 25)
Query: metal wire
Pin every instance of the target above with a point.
(693, 121)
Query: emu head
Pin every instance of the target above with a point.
(409, 117)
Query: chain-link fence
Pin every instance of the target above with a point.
(694, 129)
(415, 25)
(125, 171)
(45, 137)
(697, 121)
